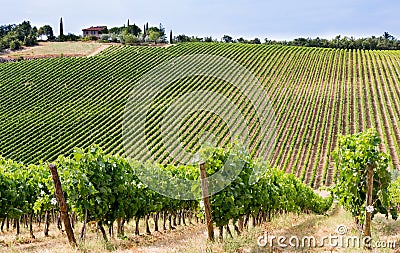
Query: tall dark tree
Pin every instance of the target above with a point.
(144, 29)
(147, 26)
(128, 22)
(171, 41)
(61, 28)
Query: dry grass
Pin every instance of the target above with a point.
(57, 49)
(312, 225)
(192, 238)
(57, 241)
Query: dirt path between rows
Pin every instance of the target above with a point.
(180, 240)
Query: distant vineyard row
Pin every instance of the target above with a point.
(49, 106)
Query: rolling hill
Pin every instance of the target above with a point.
(49, 106)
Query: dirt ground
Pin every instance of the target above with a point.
(57, 49)
(193, 237)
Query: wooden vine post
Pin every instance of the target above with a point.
(206, 201)
(63, 205)
(368, 213)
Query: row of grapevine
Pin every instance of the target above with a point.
(107, 189)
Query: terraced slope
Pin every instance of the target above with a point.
(49, 106)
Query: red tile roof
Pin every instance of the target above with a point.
(96, 28)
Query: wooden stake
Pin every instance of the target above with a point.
(63, 205)
(370, 186)
(206, 200)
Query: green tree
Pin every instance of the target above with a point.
(154, 36)
(208, 39)
(182, 38)
(115, 30)
(30, 40)
(387, 36)
(227, 39)
(241, 40)
(256, 41)
(134, 29)
(5, 29)
(163, 37)
(47, 31)
(71, 37)
(196, 39)
(61, 28)
(15, 45)
(23, 29)
(130, 39)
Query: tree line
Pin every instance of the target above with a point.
(384, 42)
(14, 36)
(133, 34)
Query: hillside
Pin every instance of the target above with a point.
(54, 49)
(49, 106)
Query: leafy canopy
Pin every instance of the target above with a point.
(352, 156)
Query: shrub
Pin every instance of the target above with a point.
(30, 40)
(130, 39)
(105, 37)
(15, 45)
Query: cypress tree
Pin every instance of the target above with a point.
(61, 28)
(170, 37)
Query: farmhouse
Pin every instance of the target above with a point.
(94, 31)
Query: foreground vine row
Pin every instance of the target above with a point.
(106, 189)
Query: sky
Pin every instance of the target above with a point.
(276, 20)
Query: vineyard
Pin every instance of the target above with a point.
(50, 106)
(106, 189)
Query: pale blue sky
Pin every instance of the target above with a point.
(284, 19)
